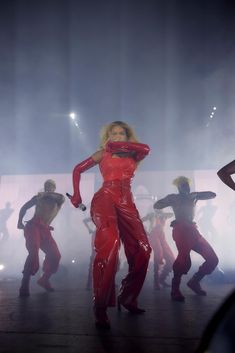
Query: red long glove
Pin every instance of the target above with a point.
(76, 199)
(140, 149)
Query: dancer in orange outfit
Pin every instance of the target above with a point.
(187, 237)
(117, 219)
(37, 234)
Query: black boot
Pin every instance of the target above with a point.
(44, 282)
(24, 288)
(176, 294)
(194, 284)
(101, 318)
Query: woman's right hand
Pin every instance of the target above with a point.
(75, 201)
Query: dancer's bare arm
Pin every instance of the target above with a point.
(225, 174)
(165, 202)
(23, 211)
(203, 195)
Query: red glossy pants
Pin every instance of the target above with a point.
(187, 238)
(38, 236)
(116, 218)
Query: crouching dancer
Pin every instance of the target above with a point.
(187, 237)
(38, 235)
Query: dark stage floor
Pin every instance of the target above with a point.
(63, 321)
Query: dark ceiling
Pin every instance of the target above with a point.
(159, 65)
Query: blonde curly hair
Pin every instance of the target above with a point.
(181, 180)
(104, 134)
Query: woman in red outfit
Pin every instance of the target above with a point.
(116, 219)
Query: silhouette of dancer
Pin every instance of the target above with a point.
(5, 214)
(187, 237)
(163, 256)
(38, 235)
(225, 174)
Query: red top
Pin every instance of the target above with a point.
(116, 168)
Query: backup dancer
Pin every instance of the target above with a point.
(38, 235)
(225, 174)
(163, 257)
(187, 237)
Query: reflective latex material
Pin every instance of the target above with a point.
(78, 169)
(139, 150)
(116, 218)
(117, 168)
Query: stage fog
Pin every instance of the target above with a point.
(214, 217)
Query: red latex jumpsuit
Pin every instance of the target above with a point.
(116, 218)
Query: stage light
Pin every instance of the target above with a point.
(212, 115)
(2, 267)
(75, 118)
(72, 116)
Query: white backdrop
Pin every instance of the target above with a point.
(216, 218)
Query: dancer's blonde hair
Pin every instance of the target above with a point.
(181, 180)
(104, 134)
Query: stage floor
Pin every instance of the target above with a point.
(62, 321)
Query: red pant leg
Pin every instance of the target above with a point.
(32, 238)
(187, 238)
(107, 245)
(38, 236)
(50, 248)
(205, 250)
(184, 240)
(137, 249)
